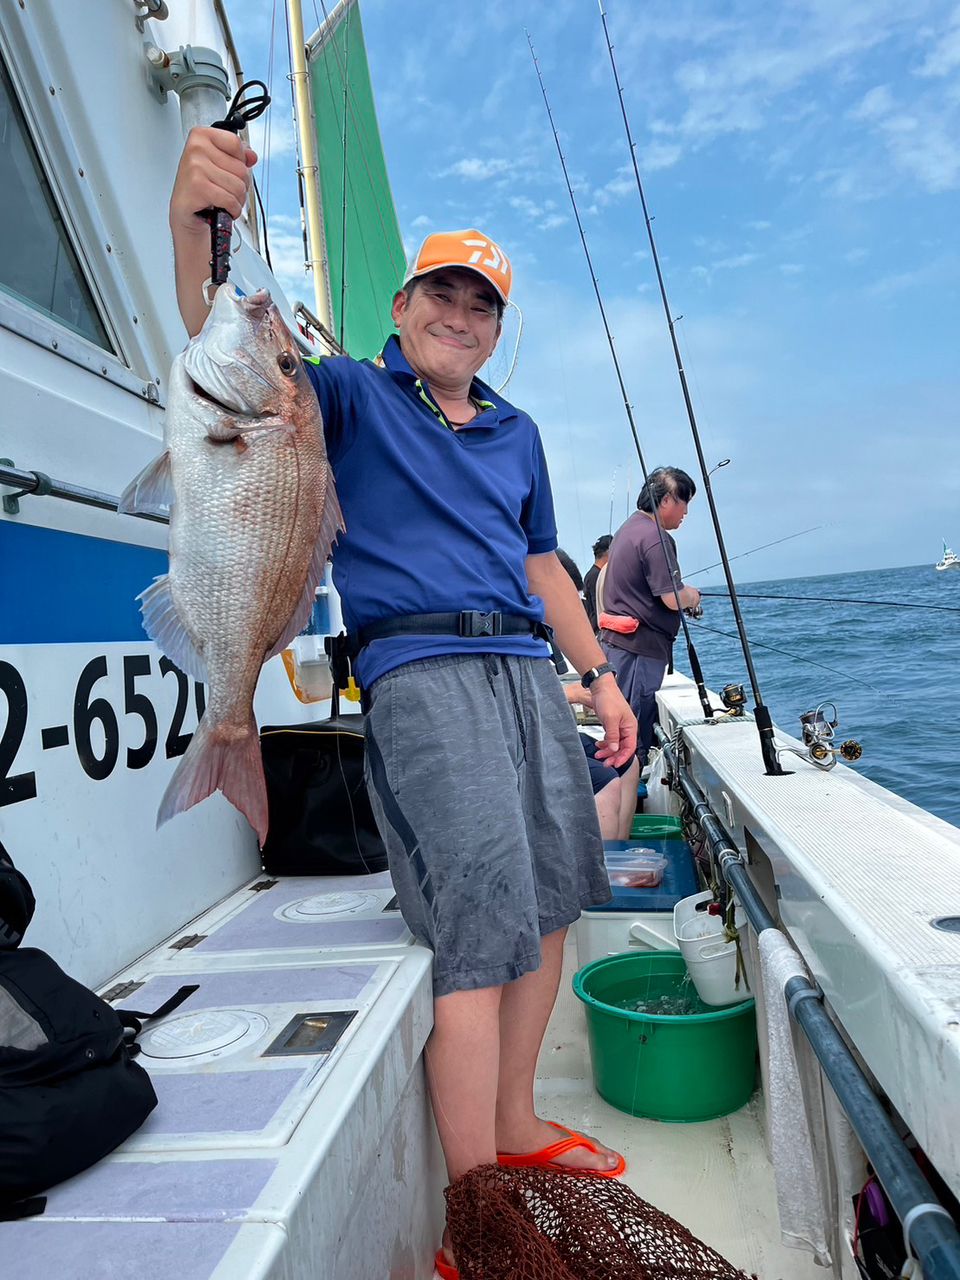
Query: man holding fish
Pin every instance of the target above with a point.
(448, 574)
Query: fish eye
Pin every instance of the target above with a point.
(287, 364)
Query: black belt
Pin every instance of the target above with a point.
(470, 623)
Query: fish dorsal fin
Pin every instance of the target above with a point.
(151, 490)
(164, 625)
(330, 526)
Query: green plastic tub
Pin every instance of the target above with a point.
(678, 1068)
(656, 826)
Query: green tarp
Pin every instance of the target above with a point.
(370, 255)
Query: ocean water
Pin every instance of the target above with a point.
(895, 677)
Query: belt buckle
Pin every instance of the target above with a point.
(474, 623)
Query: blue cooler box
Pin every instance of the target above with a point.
(638, 919)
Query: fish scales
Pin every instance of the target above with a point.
(253, 514)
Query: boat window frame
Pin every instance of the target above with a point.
(47, 131)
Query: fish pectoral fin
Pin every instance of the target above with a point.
(165, 627)
(331, 523)
(151, 490)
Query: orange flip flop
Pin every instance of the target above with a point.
(444, 1269)
(547, 1158)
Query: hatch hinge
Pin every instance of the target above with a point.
(263, 884)
(188, 940)
(120, 990)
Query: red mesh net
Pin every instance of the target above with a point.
(539, 1224)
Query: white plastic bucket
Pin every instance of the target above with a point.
(711, 961)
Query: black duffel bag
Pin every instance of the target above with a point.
(321, 822)
(69, 1088)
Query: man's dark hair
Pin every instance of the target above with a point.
(411, 286)
(662, 481)
(571, 568)
(602, 544)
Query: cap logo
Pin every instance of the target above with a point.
(498, 260)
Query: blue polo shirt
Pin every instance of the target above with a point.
(436, 520)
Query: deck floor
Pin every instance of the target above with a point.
(713, 1177)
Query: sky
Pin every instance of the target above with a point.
(802, 165)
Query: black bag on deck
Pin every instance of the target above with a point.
(69, 1088)
(17, 903)
(321, 822)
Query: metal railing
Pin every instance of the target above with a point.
(37, 484)
(929, 1228)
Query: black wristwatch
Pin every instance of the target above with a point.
(595, 673)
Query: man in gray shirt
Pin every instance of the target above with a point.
(643, 593)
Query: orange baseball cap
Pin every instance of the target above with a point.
(470, 249)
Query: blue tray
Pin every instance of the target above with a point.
(679, 877)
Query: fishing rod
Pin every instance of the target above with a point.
(695, 668)
(761, 713)
(890, 604)
(762, 547)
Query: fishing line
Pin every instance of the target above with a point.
(674, 573)
(890, 604)
(761, 713)
(763, 547)
(797, 658)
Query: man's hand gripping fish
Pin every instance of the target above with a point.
(253, 514)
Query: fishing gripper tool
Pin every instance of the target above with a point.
(247, 106)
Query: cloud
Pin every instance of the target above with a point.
(660, 155)
(944, 57)
(272, 136)
(473, 169)
(421, 222)
(622, 185)
(286, 254)
(736, 262)
(732, 262)
(529, 208)
(874, 105)
(792, 268)
(935, 274)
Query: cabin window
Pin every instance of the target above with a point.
(37, 263)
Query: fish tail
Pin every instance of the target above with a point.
(220, 758)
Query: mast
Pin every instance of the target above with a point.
(309, 166)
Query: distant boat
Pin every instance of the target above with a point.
(950, 559)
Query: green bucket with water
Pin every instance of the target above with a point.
(673, 1067)
(656, 826)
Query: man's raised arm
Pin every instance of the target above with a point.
(214, 173)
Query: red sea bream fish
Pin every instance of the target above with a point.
(253, 514)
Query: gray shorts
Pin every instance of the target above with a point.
(481, 791)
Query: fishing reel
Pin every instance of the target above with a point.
(818, 733)
(733, 698)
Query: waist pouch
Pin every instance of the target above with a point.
(619, 622)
